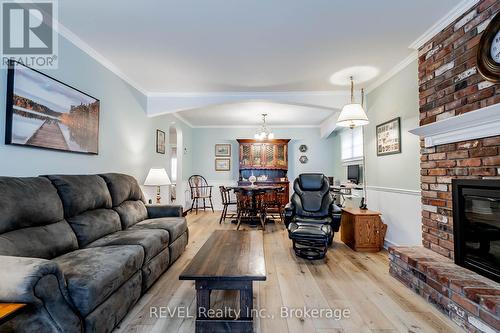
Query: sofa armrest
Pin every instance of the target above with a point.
(157, 211)
(19, 276)
(289, 213)
(336, 215)
(41, 284)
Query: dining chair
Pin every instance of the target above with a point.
(227, 201)
(200, 190)
(246, 208)
(273, 203)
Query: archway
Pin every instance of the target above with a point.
(175, 164)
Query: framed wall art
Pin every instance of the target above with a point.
(43, 112)
(223, 150)
(160, 142)
(389, 137)
(222, 164)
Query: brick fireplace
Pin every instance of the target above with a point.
(449, 86)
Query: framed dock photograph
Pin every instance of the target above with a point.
(46, 113)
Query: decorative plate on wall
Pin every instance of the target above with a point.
(303, 159)
(302, 148)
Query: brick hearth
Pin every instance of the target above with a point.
(470, 300)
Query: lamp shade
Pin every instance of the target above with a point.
(157, 177)
(352, 115)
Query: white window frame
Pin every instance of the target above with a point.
(351, 153)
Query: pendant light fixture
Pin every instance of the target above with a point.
(353, 114)
(263, 133)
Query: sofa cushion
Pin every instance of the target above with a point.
(131, 212)
(28, 202)
(94, 224)
(80, 193)
(122, 188)
(175, 226)
(177, 247)
(32, 219)
(45, 242)
(93, 274)
(87, 206)
(152, 241)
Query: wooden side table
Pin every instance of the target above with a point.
(9, 310)
(362, 230)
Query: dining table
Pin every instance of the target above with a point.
(252, 191)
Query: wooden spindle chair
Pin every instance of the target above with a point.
(227, 201)
(200, 190)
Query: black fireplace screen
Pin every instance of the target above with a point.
(476, 224)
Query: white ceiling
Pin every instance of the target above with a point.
(248, 45)
(250, 114)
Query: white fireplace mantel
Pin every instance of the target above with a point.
(476, 124)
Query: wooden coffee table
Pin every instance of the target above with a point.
(229, 260)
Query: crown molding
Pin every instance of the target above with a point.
(249, 93)
(256, 126)
(82, 45)
(190, 125)
(393, 71)
(181, 118)
(440, 25)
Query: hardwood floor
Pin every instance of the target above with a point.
(345, 279)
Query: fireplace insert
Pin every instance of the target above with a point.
(476, 225)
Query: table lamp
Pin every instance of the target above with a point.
(157, 177)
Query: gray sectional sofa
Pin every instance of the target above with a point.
(81, 250)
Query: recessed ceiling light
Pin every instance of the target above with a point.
(359, 73)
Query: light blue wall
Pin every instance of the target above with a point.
(394, 180)
(397, 97)
(323, 154)
(126, 134)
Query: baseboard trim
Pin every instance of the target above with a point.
(388, 243)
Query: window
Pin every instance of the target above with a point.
(351, 141)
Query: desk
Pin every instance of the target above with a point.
(344, 193)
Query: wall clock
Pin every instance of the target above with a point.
(488, 53)
(303, 159)
(302, 148)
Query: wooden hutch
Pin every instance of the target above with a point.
(269, 158)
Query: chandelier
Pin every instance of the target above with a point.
(263, 133)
